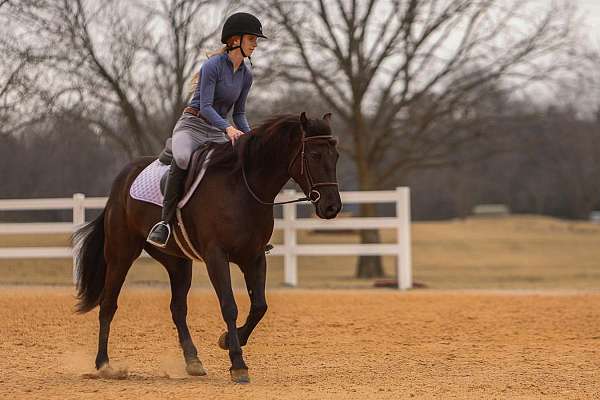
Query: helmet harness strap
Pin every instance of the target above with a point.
(241, 49)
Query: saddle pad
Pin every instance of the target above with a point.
(146, 186)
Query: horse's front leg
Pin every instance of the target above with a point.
(255, 274)
(217, 266)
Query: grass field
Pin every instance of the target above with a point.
(519, 252)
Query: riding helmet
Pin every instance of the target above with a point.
(239, 24)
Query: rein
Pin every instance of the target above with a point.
(312, 185)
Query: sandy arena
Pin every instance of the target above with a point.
(312, 345)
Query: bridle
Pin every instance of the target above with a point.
(313, 185)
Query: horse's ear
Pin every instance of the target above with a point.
(303, 118)
(327, 117)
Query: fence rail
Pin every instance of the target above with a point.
(290, 224)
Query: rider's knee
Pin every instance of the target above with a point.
(181, 148)
(182, 158)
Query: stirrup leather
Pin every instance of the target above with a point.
(157, 244)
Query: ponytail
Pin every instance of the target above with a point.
(220, 50)
(193, 85)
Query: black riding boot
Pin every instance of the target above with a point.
(160, 233)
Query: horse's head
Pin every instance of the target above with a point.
(313, 166)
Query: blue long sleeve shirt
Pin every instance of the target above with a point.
(219, 89)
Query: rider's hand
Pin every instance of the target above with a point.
(233, 133)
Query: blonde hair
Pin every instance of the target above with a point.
(209, 54)
(193, 85)
(219, 51)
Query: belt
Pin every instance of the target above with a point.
(196, 113)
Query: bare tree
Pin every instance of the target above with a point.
(404, 75)
(569, 154)
(17, 94)
(9, 94)
(124, 64)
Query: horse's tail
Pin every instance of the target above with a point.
(90, 265)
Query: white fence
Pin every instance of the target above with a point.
(290, 249)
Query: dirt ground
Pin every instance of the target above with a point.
(312, 344)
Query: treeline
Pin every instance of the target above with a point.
(425, 93)
(549, 163)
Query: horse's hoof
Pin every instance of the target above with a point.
(240, 376)
(107, 372)
(195, 368)
(223, 341)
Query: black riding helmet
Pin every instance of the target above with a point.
(241, 24)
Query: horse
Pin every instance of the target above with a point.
(229, 218)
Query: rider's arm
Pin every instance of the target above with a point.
(239, 108)
(208, 81)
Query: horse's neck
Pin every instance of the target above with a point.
(267, 170)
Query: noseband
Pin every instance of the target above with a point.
(314, 195)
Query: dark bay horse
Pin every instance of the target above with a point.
(229, 219)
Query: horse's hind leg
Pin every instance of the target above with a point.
(121, 248)
(180, 275)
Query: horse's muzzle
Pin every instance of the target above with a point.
(329, 205)
(331, 211)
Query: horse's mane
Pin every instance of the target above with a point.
(274, 132)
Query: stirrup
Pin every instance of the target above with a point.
(158, 244)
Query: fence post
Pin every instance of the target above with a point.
(78, 220)
(78, 210)
(290, 259)
(404, 263)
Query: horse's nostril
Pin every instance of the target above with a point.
(331, 210)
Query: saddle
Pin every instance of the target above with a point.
(195, 172)
(149, 186)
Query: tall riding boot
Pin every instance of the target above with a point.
(160, 233)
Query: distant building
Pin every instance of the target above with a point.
(595, 217)
(491, 210)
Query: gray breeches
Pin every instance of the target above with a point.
(190, 133)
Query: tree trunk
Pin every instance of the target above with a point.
(369, 266)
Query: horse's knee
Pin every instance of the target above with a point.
(178, 312)
(178, 308)
(107, 311)
(229, 311)
(259, 309)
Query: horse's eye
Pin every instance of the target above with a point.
(314, 155)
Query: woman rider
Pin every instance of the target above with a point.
(224, 82)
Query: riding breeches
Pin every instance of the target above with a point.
(189, 134)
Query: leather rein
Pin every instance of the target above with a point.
(309, 179)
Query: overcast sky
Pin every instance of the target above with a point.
(591, 9)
